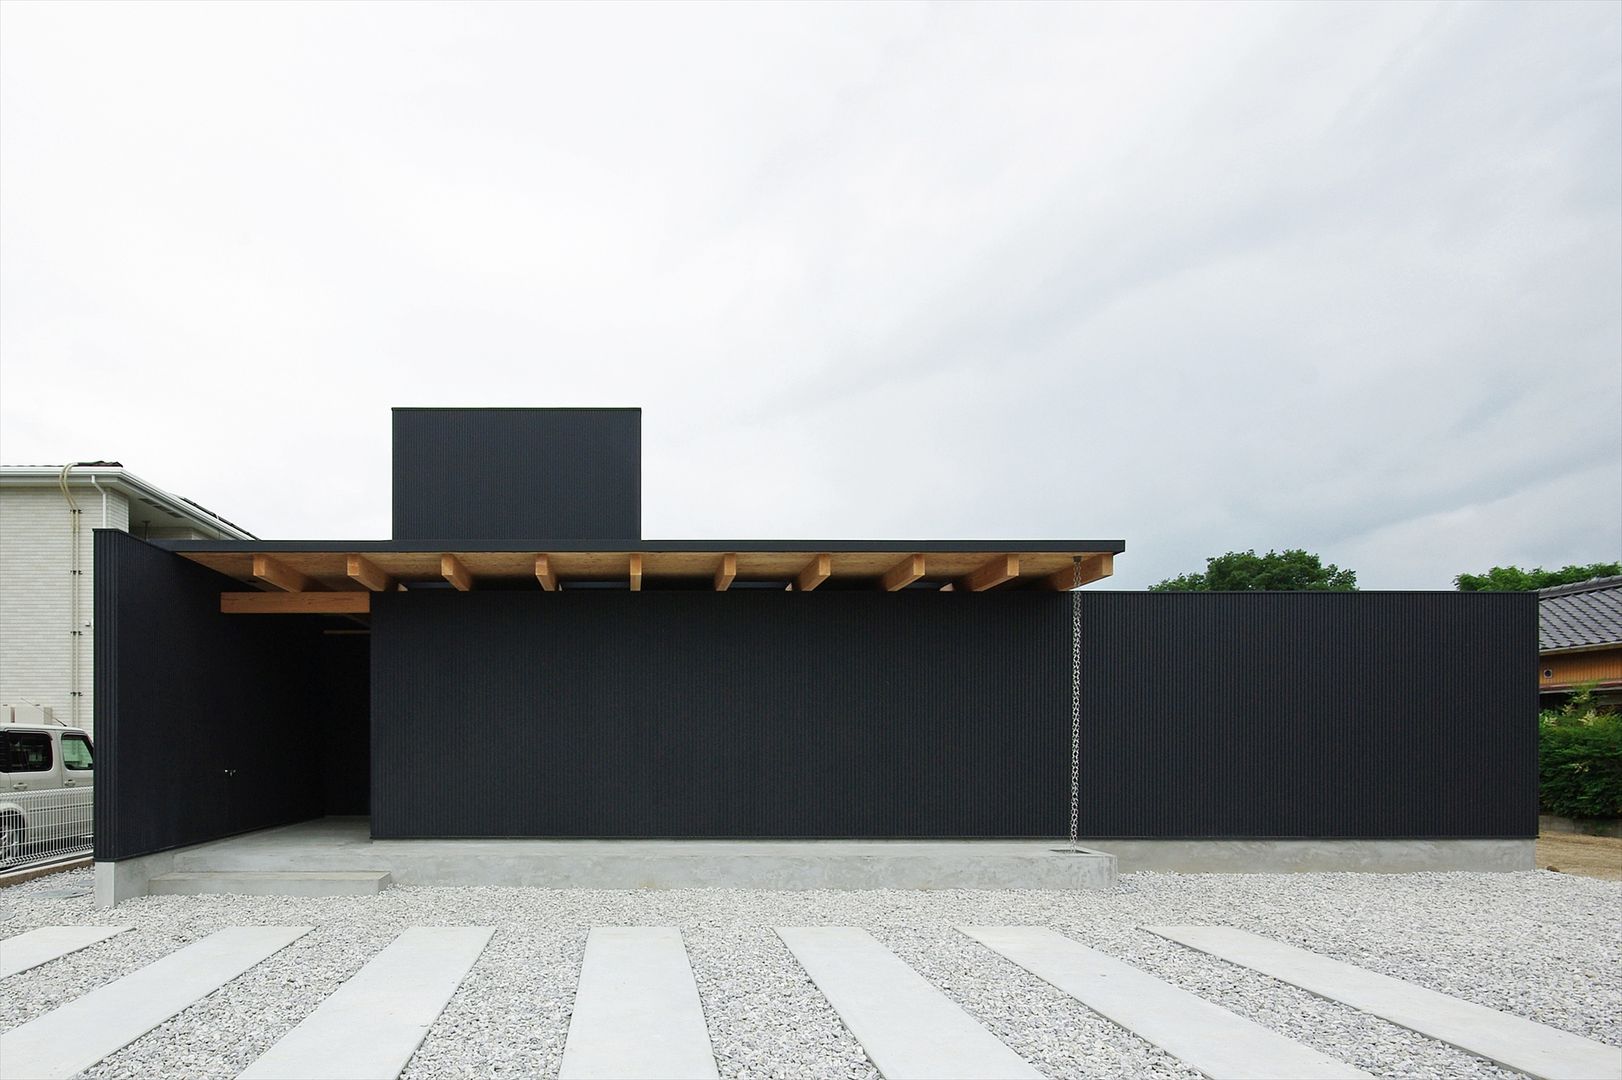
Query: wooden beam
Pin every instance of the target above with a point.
(296, 603)
(278, 574)
(452, 570)
(636, 573)
(544, 574)
(369, 574)
(726, 572)
(1093, 567)
(815, 573)
(903, 573)
(1002, 568)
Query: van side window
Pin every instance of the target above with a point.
(76, 753)
(27, 751)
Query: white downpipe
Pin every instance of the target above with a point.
(76, 571)
(86, 624)
(103, 493)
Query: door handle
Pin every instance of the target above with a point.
(69, 783)
(20, 787)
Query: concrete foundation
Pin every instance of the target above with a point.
(260, 883)
(328, 849)
(1318, 856)
(344, 845)
(119, 881)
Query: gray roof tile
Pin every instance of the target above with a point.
(1586, 613)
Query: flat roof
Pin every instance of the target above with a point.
(969, 565)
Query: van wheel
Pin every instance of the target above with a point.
(11, 838)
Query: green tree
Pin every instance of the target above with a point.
(1277, 571)
(1514, 579)
(1580, 758)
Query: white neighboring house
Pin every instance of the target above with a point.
(47, 576)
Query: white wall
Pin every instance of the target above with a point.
(36, 591)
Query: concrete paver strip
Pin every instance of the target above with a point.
(910, 1030)
(371, 1025)
(70, 1039)
(36, 947)
(636, 1009)
(1512, 1041)
(1206, 1037)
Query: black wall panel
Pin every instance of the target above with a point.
(346, 747)
(747, 713)
(517, 474)
(918, 714)
(184, 695)
(1238, 715)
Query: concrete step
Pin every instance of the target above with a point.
(1511, 1041)
(69, 1039)
(271, 883)
(47, 943)
(637, 1015)
(910, 1030)
(1208, 1038)
(371, 1025)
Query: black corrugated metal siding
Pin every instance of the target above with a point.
(1372, 715)
(346, 745)
(515, 474)
(764, 713)
(924, 714)
(742, 714)
(183, 694)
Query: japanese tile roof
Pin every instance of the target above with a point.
(1582, 615)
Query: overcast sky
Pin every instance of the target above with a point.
(1342, 277)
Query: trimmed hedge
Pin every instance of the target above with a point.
(1580, 761)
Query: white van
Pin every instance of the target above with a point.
(47, 786)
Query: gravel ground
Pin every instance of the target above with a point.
(1542, 945)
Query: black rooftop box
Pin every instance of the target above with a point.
(517, 474)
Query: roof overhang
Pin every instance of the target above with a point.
(114, 477)
(1604, 646)
(337, 577)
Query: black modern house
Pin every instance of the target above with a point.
(518, 662)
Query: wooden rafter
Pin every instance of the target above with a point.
(296, 603)
(1093, 567)
(277, 574)
(726, 572)
(636, 572)
(452, 570)
(544, 573)
(815, 573)
(999, 570)
(690, 566)
(903, 573)
(366, 572)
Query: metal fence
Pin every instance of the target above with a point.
(45, 826)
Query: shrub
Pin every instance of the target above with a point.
(1580, 760)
